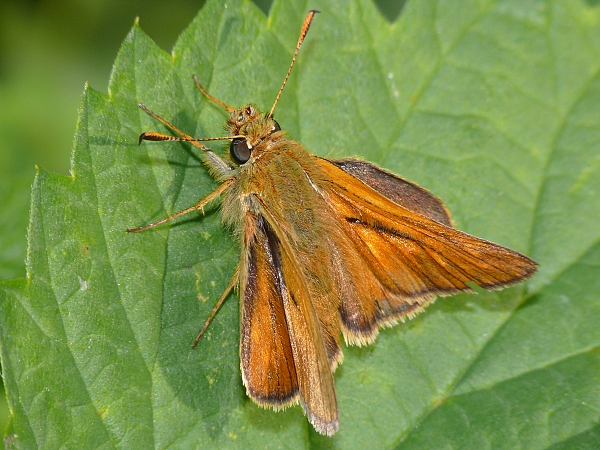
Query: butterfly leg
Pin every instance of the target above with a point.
(200, 205)
(230, 286)
(210, 158)
(152, 136)
(227, 108)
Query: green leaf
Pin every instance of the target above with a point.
(14, 198)
(492, 105)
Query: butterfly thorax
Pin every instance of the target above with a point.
(268, 165)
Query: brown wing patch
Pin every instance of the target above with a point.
(403, 192)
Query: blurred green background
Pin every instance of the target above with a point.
(48, 50)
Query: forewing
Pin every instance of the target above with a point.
(403, 192)
(406, 257)
(281, 297)
(266, 355)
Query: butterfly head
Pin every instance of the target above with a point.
(256, 129)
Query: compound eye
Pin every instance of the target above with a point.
(276, 127)
(239, 151)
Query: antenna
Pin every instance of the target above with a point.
(305, 26)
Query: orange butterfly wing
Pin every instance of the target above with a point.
(396, 260)
(282, 349)
(403, 192)
(267, 362)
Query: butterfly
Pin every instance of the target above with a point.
(328, 248)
